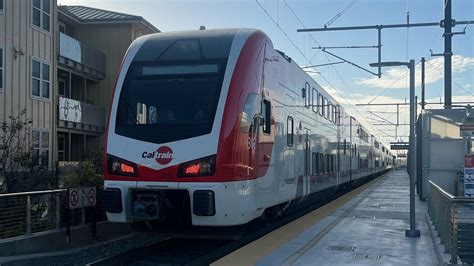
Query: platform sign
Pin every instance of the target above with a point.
(73, 198)
(82, 197)
(466, 130)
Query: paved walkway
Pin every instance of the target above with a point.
(368, 229)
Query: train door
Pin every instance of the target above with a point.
(307, 163)
(289, 150)
(351, 154)
(266, 135)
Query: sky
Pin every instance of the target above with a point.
(280, 19)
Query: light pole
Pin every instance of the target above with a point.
(412, 232)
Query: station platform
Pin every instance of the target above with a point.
(363, 227)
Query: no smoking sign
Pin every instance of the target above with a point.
(82, 197)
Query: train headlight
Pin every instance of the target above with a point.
(201, 167)
(117, 166)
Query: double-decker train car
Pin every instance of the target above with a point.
(217, 128)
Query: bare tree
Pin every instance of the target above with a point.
(15, 155)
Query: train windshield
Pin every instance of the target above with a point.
(168, 102)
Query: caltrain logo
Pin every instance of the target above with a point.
(163, 155)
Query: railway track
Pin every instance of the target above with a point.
(186, 251)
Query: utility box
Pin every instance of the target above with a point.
(441, 155)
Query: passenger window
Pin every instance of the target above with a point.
(334, 114)
(322, 166)
(325, 108)
(307, 95)
(153, 116)
(328, 164)
(266, 109)
(249, 112)
(345, 143)
(340, 116)
(320, 104)
(333, 162)
(314, 158)
(315, 100)
(329, 111)
(141, 113)
(289, 131)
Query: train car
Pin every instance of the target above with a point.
(218, 128)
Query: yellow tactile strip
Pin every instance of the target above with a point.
(253, 252)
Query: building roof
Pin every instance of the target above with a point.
(90, 15)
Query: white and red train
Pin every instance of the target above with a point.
(217, 128)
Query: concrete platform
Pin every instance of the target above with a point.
(364, 227)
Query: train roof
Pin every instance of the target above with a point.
(212, 44)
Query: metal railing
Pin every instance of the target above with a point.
(80, 112)
(25, 213)
(453, 218)
(79, 52)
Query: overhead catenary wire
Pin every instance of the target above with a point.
(350, 104)
(340, 13)
(347, 93)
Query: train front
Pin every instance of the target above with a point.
(171, 135)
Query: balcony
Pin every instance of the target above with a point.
(75, 114)
(74, 54)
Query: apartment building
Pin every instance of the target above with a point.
(28, 68)
(92, 43)
(59, 63)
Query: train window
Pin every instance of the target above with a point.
(339, 116)
(329, 112)
(307, 94)
(173, 117)
(249, 112)
(321, 166)
(345, 143)
(321, 104)
(333, 163)
(314, 161)
(328, 163)
(289, 131)
(266, 110)
(334, 114)
(315, 100)
(325, 108)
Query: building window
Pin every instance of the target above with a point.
(289, 131)
(41, 14)
(40, 146)
(1, 68)
(40, 81)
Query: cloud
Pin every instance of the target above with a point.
(396, 77)
(455, 99)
